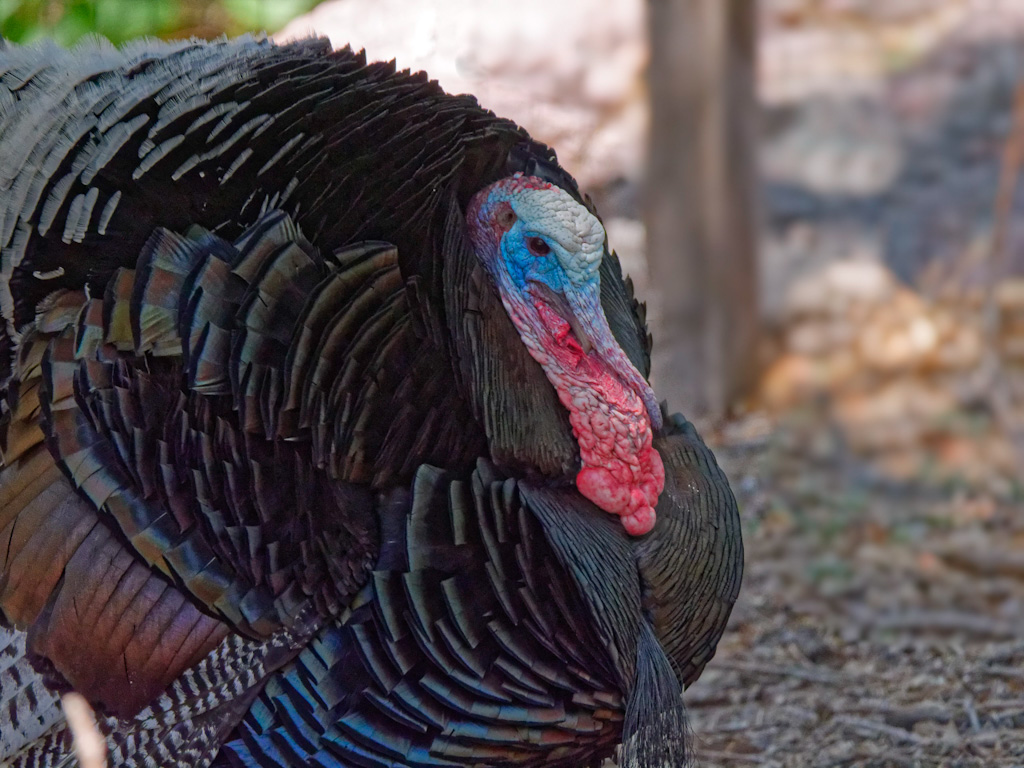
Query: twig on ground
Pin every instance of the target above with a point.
(1001, 671)
(896, 734)
(811, 674)
(940, 621)
(972, 714)
(729, 757)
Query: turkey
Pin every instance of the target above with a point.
(326, 432)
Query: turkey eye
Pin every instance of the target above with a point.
(537, 246)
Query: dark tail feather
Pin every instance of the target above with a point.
(655, 733)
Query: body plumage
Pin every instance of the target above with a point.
(283, 483)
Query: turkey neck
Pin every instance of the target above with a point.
(544, 251)
(610, 421)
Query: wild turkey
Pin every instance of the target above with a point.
(311, 372)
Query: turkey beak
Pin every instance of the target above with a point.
(587, 319)
(560, 304)
(581, 333)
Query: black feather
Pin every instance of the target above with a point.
(274, 453)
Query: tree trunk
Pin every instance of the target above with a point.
(701, 202)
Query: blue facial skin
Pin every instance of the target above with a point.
(524, 265)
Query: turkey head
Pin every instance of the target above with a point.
(543, 249)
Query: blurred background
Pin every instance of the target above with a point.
(819, 200)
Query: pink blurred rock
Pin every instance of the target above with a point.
(900, 335)
(837, 288)
(570, 72)
(899, 413)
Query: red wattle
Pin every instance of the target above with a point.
(622, 473)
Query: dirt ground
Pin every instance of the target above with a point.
(880, 622)
(881, 619)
